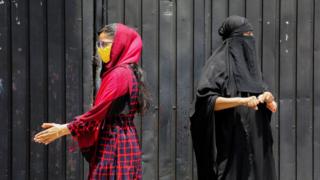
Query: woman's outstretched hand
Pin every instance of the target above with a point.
(52, 132)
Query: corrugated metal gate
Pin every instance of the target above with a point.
(46, 55)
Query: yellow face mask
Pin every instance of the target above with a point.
(104, 53)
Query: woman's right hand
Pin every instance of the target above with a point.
(251, 102)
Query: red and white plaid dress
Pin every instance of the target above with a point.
(117, 154)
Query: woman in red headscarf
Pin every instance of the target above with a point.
(106, 134)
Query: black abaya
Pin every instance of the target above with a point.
(236, 143)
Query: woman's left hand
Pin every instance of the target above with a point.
(266, 97)
(53, 131)
(272, 106)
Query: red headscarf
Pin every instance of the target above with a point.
(116, 82)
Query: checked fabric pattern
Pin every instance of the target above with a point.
(118, 154)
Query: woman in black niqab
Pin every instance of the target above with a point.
(231, 113)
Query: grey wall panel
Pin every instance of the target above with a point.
(5, 90)
(150, 63)
(38, 86)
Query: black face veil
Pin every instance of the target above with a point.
(242, 55)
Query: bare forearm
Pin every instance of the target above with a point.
(226, 103)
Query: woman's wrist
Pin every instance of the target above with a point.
(64, 130)
(242, 101)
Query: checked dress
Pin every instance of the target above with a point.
(117, 155)
(106, 134)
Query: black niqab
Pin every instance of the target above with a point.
(242, 54)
